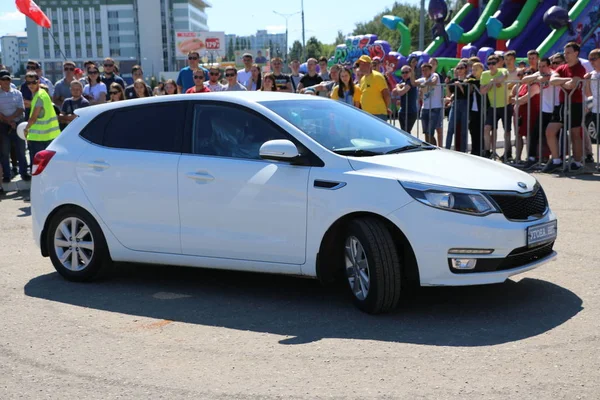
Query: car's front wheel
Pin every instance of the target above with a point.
(373, 266)
(76, 245)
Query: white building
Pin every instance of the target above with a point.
(130, 31)
(14, 51)
(261, 40)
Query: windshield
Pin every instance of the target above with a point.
(342, 128)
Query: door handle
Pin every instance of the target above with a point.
(98, 164)
(201, 176)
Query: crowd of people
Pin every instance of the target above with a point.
(531, 98)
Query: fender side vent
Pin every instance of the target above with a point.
(330, 185)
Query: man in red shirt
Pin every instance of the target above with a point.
(198, 83)
(568, 76)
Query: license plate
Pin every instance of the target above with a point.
(541, 233)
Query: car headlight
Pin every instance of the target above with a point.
(451, 199)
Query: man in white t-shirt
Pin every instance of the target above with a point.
(549, 100)
(593, 91)
(432, 111)
(244, 75)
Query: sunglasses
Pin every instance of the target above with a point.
(555, 63)
(93, 72)
(198, 76)
(114, 92)
(69, 69)
(31, 68)
(192, 58)
(492, 63)
(31, 83)
(229, 75)
(214, 73)
(109, 65)
(405, 72)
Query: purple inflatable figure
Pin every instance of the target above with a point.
(438, 12)
(557, 18)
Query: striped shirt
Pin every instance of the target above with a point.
(10, 102)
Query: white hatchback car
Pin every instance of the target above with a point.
(281, 183)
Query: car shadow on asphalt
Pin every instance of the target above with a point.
(304, 311)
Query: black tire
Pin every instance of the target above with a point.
(99, 262)
(384, 265)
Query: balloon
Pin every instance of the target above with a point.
(557, 17)
(21, 130)
(438, 12)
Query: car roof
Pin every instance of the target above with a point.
(248, 98)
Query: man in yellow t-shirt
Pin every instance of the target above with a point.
(492, 84)
(375, 94)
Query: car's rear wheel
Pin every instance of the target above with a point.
(373, 266)
(592, 128)
(76, 245)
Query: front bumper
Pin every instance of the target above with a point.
(433, 232)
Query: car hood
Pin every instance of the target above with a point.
(446, 168)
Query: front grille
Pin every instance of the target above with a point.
(524, 255)
(518, 207)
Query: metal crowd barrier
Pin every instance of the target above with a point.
(511, 126)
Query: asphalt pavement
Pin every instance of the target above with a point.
(152, 332)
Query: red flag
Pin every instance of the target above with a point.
(30, 9)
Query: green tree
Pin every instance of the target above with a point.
(296, 51)
(230, 50)
(410, 14)
(314, 48)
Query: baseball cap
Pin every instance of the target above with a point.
(4, 74)
(364, 58)
(247, 55)
(78, 71)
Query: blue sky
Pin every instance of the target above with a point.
(322, 18)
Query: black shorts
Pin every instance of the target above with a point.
(489, 117)
(574, 116)
(556, 115)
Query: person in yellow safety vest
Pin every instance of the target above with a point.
(43, 126)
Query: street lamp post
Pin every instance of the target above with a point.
(287, 17)
(303, 32)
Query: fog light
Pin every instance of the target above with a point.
(464, 263)
(470, 251)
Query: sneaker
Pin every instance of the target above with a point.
(14, 171)
(529, 164)
(26, 177)
(551, 168)
(575, 169)
(6, 180)
(589, 159)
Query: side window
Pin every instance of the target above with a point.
(155, 127)
(94, 130)
(230, 132)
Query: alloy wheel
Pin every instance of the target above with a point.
(74, 244)
(357, 268)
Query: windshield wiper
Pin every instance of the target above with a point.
(358, 152)
(411, 147)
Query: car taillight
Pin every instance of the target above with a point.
(41, 160)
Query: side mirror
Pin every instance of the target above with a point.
(279, 150)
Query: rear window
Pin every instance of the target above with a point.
(155, 127)
(94, 131)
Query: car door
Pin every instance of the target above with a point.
(130, 176)
(232, 204)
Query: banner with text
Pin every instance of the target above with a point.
(207, 44)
